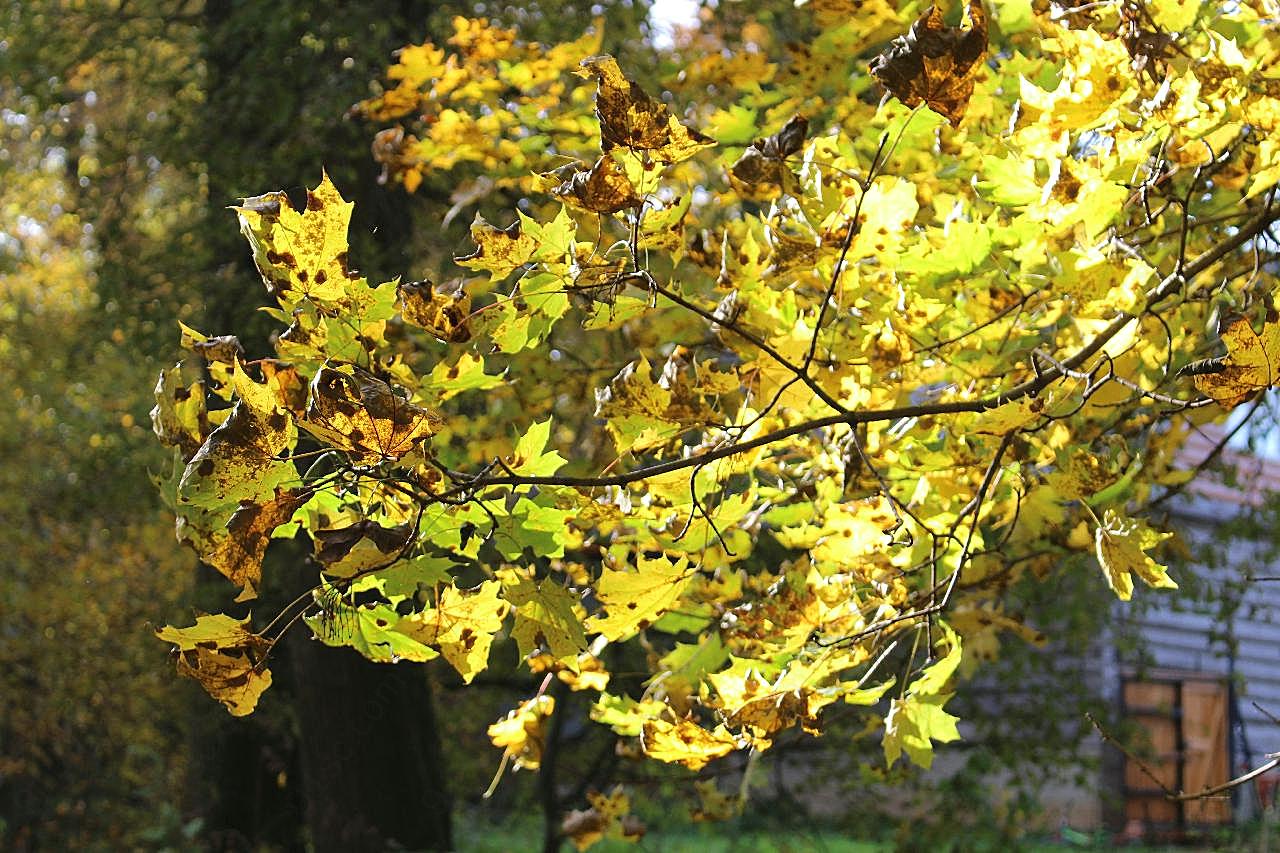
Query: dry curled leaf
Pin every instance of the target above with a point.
(355, 411)
(225, 657)
(685, 742)
(336, 547)
(630, 118)
(760, 171)
(934, 64)
(604, 188)
(443, 312)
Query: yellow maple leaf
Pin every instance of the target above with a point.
(300, 253)
(913, 723)
(546, 617)
(520, 733)
(461, 625)
(1252, 362)
(634, 599)
(499, 250)
(1122, 544)
(685, 743)
(225, 657)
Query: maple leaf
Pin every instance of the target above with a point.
(528, 457)
(625, 715)
(225, 657)
(466, 374)
(604, 188)
(235, 490)
(357, 412)
(372, 631)
(545, 617)
(499, 250)
(935, 677)
(1251, 364)
(300, 253)
(913, 723)
(685, 742)
(934, 64)
(180, 418)
(608, 817)
(1122, 544)
(713, 804)
(634, 599)
(345, 551)
(443, 313)
(461, 625)
(630, 118)
(795, 335)
(761, 172)
(520, 733)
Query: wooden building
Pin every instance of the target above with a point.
(1203, 679)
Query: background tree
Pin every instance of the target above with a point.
(129, 128)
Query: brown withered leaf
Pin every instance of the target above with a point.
(442, 312)
(238, 551)
(630, 118)
(934, 64)
(1148, 45)
(348, 550)
(760, 172)
(355, 411)
(223, 348)
(236, 488)
(597, 279)
(604, 188)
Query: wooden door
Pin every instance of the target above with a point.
(1185, 723)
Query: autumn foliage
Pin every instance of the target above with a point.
(792, 374)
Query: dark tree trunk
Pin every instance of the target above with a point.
(372, 769)
(342, 754)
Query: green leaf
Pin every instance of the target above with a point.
(466, 374)
(372, 631)
(528, 459)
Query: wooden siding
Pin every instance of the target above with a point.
(1189, 638)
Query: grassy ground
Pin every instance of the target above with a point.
(527, 836)
(711, 841)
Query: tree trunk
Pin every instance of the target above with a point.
(371, 760)
(355, 743)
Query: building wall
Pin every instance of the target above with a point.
(1224, 623)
